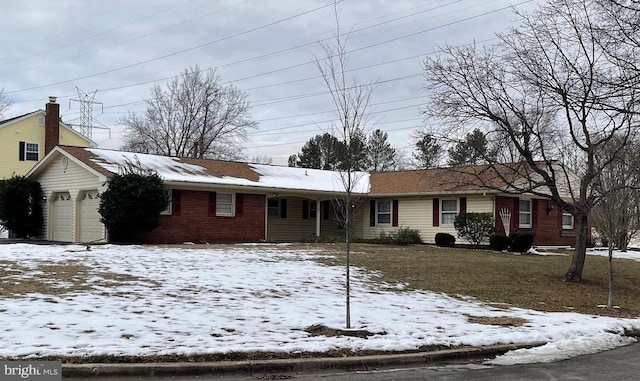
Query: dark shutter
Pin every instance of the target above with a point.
(305, 209)
(325, 209)
(436, 212)
(283, 208)
(372, 213)
(394, 218)
(175, 203)
(534, 213)
(211, 205)
(559, 217)
(463, 205)
(21, 151)
(515, 218)
(239, 204)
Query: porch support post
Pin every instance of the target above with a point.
(318, 210)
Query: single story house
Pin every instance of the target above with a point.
(223, 201)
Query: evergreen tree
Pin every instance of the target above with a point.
(428, 152)
(471, 151)
(20, 206)
(132, 203)
(381, 156)
(327, 152)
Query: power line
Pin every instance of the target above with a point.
(175, 53)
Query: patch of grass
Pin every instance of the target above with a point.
(57, 279)
(527, 281)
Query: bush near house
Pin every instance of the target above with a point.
(521, 242)
(445, 240)
(402, 237)
(20, 206)
(499, 242)
(474, 227)
(131, 204)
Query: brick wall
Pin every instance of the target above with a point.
(547, 225)
(192, 220)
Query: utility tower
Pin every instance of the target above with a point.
(86, 111)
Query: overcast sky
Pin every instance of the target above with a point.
(265, 47)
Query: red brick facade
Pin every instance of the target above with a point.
(546, 221)
(193, 219)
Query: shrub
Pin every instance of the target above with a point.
(474, 227)
(20, 206)
(445, 240)
(405, 236)
(402, 237)
(521, 242)
(132, 203)
(499, 242)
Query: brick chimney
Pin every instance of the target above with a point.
(51, 125)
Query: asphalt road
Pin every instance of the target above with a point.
(620, 364)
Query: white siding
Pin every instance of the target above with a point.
(73, 179)
(417, 213)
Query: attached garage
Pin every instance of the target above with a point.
(89, 226)
(62, 217)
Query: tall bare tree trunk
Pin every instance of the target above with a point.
(574, 274)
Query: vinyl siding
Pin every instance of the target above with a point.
(295, 228)
(417, 213)
(28, 130)
(74, 180)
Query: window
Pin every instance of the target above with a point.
(224, 204)
(448, 211)
(273, 207)
(29, 151)
(313, 209)
(169, 195)
(567, 221)
(383, 212)
(524, 217)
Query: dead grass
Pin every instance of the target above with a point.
(527, 281)
(56, 280)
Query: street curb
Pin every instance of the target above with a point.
(287, 365)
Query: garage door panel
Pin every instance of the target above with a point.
(62, 217)
(89, 225)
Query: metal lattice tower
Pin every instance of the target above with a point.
(86, 100)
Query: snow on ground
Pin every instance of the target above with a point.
(252, 298)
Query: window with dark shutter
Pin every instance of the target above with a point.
(436, 212)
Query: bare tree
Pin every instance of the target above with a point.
(4, 102)
(549, 94)
(617, 216)
(194, 116)
(351, 102)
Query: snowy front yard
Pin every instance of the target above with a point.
(134, 300)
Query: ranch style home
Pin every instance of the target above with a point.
(220, 201)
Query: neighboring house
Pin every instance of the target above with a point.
(221, 201)
(26, 139)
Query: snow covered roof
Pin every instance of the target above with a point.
(218, 172)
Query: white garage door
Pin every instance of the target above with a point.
(62, 217)
(89, 224)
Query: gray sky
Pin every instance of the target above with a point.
(265, 47)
